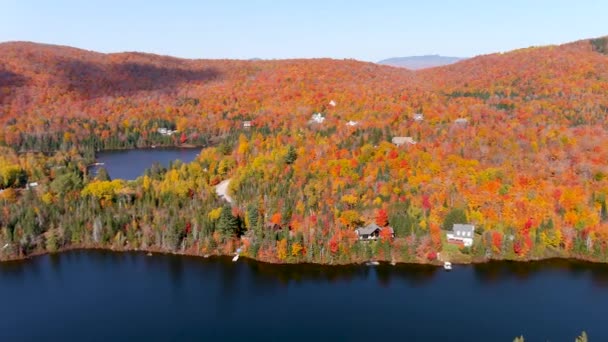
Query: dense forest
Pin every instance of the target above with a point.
(514, 143)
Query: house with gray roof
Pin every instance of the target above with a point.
(462, 234)
(371, 231)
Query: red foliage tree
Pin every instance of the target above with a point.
(497, 241)
(426, 202)
(386, 234)
(333, 244)
(382, 218)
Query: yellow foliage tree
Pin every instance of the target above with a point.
(105, 190)
(351, 200)
(214, 214)
(296, 248)
(282, 249)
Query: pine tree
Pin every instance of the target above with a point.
(228, 224)
(456, 215)
(291, 156)
(102, 175)
(252, 216)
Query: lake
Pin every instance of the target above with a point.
(130, 164)
(105, 296)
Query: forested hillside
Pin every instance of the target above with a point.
(515, 143)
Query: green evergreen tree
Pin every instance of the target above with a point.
(66, 182)
(228, 224)
(252, 216)
(456, 215)
(102, 175)
(291, 155)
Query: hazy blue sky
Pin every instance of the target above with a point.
(365, 30)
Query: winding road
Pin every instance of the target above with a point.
(222, 190)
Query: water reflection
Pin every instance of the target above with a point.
(269, 276)
(283, 275)
(176, 271)
(499, 271)
(414, 275)
(14, 269)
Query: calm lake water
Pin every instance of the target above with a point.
(130, 164)
(104, 296)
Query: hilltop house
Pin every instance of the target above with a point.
(400, 141)
(317, 118)
(462, 234)
(371, 232)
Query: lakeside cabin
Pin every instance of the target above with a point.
(372, 231)
(165, 131)
(461, 234)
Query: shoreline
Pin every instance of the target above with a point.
(272, 262)
(154, 147)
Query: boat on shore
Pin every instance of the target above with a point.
(447, 266)
(372, 263)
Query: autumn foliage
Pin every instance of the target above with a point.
(516, 142)
(382, 218)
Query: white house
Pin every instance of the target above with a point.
(418, 117)
(247, 124)
(352, 123)
(462, 233)
(317, 118)
(462, 121)
(399, 141)
(32, 185)
(332, 103)
(165, 131)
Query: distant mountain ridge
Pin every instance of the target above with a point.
(420, 62)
